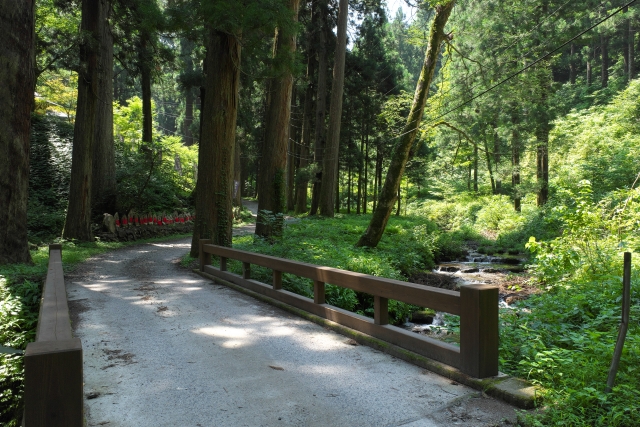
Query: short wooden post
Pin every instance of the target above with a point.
(277, 279)
(479, 330)
(318, 292)
(380, 310)
(223, 264)
(205, 258)
(53, 384)
(624, 324)
(246, 270)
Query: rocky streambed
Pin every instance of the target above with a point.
(505, 271)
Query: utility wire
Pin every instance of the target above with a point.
(542, 58)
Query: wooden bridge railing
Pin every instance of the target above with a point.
(53, 363)
(477, 306)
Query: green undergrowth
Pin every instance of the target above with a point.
(410, 244)
(563, 339)
(20, 293)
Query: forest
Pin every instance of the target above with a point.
(387, 142)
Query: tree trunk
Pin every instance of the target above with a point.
(349, 188)
(491, 178)
(380, 217)
(17, 84)
(475, 167)
(542, 139)
(331, 155)
(186, 47)
(103, 181)
(515, 159)
(604, 48)
(365, 185)
(188, 117)
(572, 64)
(217, 140)
(147, 116)
(631, 48)
(292, 156)
(321, 100)
(272, 175)
(78, 220)
(237, 175)
(301, 183)
(360, 171)
(496, 157)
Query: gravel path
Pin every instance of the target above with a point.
(165, 347)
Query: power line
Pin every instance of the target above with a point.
(506, 79)
(542, 58)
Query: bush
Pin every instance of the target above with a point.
(563, 339)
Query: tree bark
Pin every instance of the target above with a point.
(292, 156)
(321, 99)
(103, 181)
(301, 183)
(217, 140)
(147, 116)
(237, 175)
(386, 201)
(604, 49)
(78, 221)
(631, 48)
(572, 64)
(272, 176)
(542, 139)
(186, 47)
(17, 84)
(331, 155)
(515, 159)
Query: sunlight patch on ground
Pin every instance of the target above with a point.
(232, 337)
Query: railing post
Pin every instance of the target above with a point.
(277, 279)
(223, 264)
(205, 258)
(479, 330)
(246, 270)
(380, 310)
(55, 246)
(318, 292)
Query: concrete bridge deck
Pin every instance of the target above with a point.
(166, 347)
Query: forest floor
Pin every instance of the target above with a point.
(163, 346)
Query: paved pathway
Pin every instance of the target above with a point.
(165, 347)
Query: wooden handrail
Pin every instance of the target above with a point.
(53, 363)
(477, 306)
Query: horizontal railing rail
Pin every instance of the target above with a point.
(477, 306)
(53, 363)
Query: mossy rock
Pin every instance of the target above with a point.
(423, 316)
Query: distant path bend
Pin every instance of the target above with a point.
(165, 347)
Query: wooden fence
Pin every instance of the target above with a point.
(53, 363)
(477, 306)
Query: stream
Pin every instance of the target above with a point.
(474, 268)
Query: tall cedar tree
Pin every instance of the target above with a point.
(78, 221)
(103, 181)
(302, 181)
(389, 193)
(217, 140)
(271, 178)
(321, 98)
(330, 162)
(17, 82)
